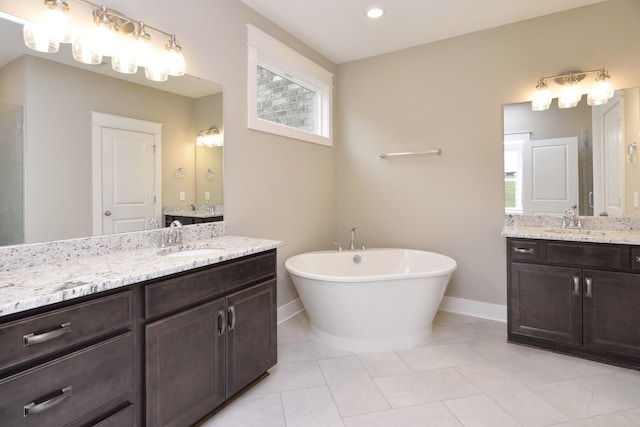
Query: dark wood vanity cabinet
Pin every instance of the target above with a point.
(186, 220)
(69, 365)
(166, 352)
(573, 297)
(210, 334)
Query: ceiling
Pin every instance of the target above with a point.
(341, 31)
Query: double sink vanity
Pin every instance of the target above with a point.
(116, 331)
(575, 290)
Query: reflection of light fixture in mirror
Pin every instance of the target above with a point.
(107, 33)
(599, 94)
(541, 97)
(631, 148)
(211, 137)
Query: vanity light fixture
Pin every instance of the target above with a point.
(107, 33)
(211, 137)
(598, 94)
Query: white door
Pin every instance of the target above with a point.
(608, 155)
(126, 174)
(550, 175)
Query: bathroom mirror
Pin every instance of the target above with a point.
(46, 177)
(576, 157)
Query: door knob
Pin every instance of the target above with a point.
(107, 213)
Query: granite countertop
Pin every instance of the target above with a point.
(626, 237)
(63, 279)
(624, 231)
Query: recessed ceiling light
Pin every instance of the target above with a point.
(375, 12)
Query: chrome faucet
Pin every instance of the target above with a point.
(573, 219)
(354, 233)
(154, 223)
(173, 235)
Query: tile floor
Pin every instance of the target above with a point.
(467, 375)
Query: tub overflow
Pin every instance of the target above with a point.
(357, 259)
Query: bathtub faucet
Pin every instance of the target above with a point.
(354, 233)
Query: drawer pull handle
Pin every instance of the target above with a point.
(576, 285)
(33, 338)
(638, 258)
(232, 318)
(33, 408)
(589, 292)
(221, 324)
(524, 250)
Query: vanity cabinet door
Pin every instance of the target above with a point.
(546, 302)
(185, 365)
(252, 337)
(612, 312)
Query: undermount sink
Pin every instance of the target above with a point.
(189, 253)
(575, 231)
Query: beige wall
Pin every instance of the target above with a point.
(449, 95)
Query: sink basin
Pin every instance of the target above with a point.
(189, 253)
(575, 231)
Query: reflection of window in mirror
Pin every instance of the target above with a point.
(513, 144)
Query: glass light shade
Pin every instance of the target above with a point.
(570, 96)
(541, 100)
(601, 92)
(104, 38)
(210, 138)
(142, 48)
(156, 70)
(86, 51)
(124, 58)
(60, 24)
(39, 38)
(175, 62)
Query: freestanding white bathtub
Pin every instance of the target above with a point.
(373, 300)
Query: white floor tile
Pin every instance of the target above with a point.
(291, 332)
(284, 377)
(380, 365)
(428, 415)
(439, 356)
(352, 388)
(312, 407)
(307, 351)
(424, 387)
(263, 411)
(589, 396)
(608, 420)
(480, 411)
(522, 404)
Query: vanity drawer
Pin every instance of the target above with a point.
(523, 250)
(193, 288)
(58, 392)
(585, 255)
(26, 339)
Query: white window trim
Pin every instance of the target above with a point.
(269, 53)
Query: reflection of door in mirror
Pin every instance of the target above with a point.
(609, 182)
(11, 175)
(553, 159)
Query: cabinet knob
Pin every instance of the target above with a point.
(107, 213)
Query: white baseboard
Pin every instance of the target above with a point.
(289, 310)
(469, 307)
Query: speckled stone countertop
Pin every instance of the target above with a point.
(36, 275)
(594, 229)
(195, 211)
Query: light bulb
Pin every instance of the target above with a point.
(59, 22)
(173, 58)
(541, 99)
(142, 45)
(124, 56)
(39, 38)
(156, 70)
(570, 96)
(86, 51)
(601, 92)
